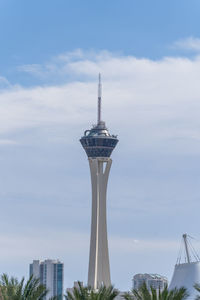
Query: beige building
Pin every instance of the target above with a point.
(152, 280)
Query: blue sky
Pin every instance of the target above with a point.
(34, 31)
(51, 53)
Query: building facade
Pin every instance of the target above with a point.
(152, 280)
(51, 274)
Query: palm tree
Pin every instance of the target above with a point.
(197, 287)
(12, 289)
(86, 293)
(143, 293)
(8, 287)
(79, 293)
(104, 293)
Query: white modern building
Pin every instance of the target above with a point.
(99, 144)
(156, 281)
(187, 269)
(50, 273)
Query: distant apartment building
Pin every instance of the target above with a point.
(51, 274)
(152, 280)
(76, 285)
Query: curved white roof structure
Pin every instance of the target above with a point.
(187, 274)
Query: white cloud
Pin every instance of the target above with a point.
(162, 96)
(4, 142)
(4, 83)
(130, 245)
(34, 69)
(35, 245)
(189, 43)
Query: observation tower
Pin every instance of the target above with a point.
(99, 144)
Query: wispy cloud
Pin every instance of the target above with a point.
(34, 69)
(142, 92)
(189, 43)
(4, 142)
(62, 65)
(4, 83)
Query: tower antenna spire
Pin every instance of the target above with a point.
(99, 100)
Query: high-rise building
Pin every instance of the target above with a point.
(50, 273)
(155, 281)
(99, 144)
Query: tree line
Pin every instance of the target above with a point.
(12, 289)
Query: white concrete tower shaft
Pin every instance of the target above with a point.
(99, 267)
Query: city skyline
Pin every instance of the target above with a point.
(51, 54)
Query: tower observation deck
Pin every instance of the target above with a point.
(99, 144)
(97, 141)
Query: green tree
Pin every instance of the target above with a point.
(143, 293)
(197, 287)
(12, 289)
(86, 293)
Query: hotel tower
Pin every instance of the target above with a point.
(99, 144)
